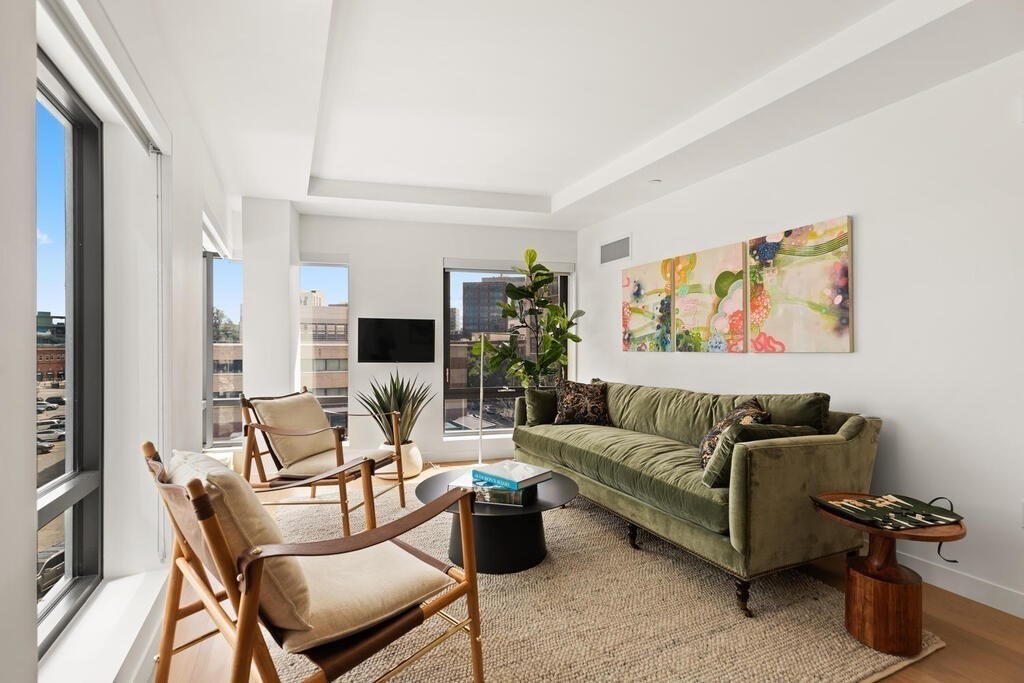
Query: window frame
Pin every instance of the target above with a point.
(81, 489)
(335, 405)
(508, 391)
(210, 402)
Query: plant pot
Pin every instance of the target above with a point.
(412, 462)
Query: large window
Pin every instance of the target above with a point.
(323, 337)
(69, 352)
(471, 311)
(222, 411)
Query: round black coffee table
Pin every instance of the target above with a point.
(508, 539)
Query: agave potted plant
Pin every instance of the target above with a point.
(408, 397)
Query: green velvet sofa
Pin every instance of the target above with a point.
(646, 469)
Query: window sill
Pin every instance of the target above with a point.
(454, 438)
(101, 639)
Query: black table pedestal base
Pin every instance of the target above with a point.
(503, 544)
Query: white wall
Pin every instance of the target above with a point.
(270, 296)
(396, 271)
(935, 185)
(17, 371)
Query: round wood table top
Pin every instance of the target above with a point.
(933, 534)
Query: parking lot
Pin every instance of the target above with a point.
(49, 466)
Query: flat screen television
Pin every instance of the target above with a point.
(396, 340)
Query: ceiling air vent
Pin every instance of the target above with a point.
(613, 251)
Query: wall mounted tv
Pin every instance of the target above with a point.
(396, 340)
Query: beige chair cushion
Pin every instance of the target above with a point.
(327, 460)
(298, 413)
(354, 591)
(284, 594)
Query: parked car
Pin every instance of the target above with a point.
(52, 423)
(42, 447)
(50, 570)
(41, 407)
(55, 400)
(50, 435)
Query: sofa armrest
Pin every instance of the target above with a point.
(772, 521)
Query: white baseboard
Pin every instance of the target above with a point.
(946, 576)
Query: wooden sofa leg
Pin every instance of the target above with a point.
(742, 596)
(631, 530)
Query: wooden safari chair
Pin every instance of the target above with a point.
(303, 446)
(337, 602)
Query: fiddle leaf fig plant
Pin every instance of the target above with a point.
(539, 332)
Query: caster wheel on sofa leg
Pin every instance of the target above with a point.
(742, 596)
(631, 535)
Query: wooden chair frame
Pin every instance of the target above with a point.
(254, 457)
(241, 578)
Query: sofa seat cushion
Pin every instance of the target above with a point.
(663, 473)
(328, 460)
(354, 591)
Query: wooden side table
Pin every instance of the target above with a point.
(883, 598)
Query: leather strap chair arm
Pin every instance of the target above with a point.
(277, 431)
(338, 546)
(351, 465)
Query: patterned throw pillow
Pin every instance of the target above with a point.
(581, 403)
(749, 413)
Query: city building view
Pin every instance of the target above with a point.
(473, 312)
(323, 345)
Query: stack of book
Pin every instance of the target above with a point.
(504, 483)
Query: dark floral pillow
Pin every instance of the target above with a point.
(582, 403)
(749, 413)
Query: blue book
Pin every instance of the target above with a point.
(512, 474)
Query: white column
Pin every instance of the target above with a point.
(18, 343)
(270, 296)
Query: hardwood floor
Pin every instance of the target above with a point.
(983, 645)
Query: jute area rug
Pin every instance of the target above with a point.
(597, 610)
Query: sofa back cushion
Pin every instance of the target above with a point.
(687, 416)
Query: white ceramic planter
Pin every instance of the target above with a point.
(412, 462)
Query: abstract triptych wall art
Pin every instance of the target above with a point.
(799, 289)
(787, 292)
(647, 307)
(708, 301)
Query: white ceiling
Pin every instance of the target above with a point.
(528, 96)
(542, 113)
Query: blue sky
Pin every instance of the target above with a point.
(50, 236)
(227, 284)
(50, 212)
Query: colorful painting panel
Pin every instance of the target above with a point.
(799, 289)
(647, 307)
(708, 301)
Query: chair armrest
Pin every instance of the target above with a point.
(348, 544)
(334, 472)
(277, 431)
(772, 521)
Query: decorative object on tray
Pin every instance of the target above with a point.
(799, 289)
(494, 494)
(512, 474)
(408, 397)
(708, 301)
(890, 511)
